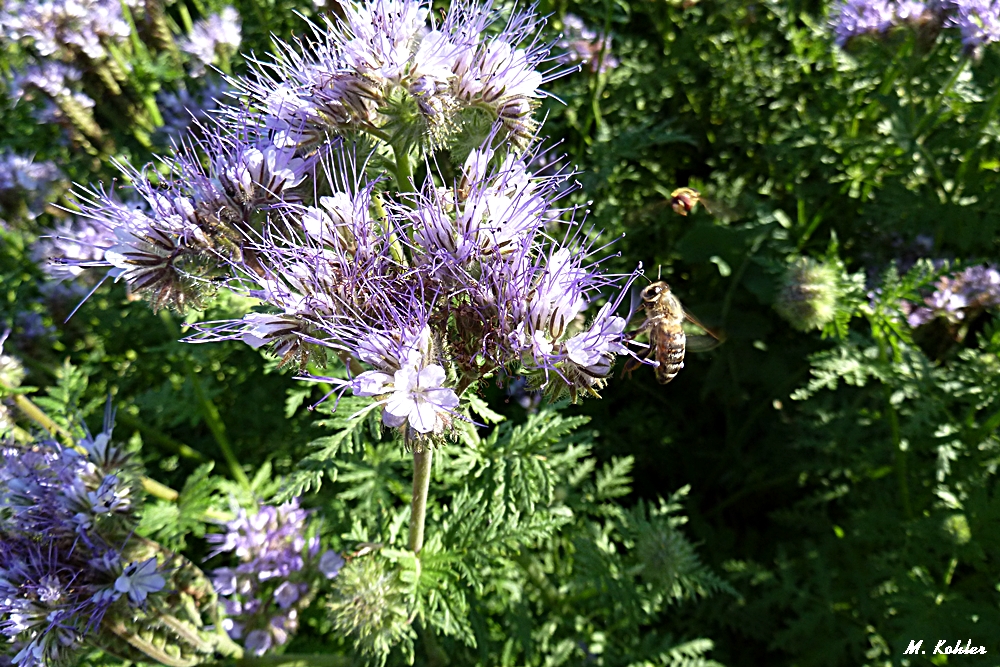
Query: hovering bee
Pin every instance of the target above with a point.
(668, 341)
(684, 200)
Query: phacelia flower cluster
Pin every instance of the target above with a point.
(423, 286)
(388, 69)
(853, 18)
(26, 185)
(958, 297)
(279, 565)
(978, 21)
(64, 29)
(212, 40)
(56, 592)
(586, 46)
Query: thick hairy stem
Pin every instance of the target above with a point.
(404, 170)
(418, 507)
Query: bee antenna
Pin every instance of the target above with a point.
(659, 272)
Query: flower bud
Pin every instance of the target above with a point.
(369, 602)
(808, 294)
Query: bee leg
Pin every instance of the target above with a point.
(634, 363)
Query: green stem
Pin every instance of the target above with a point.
(404, 170)
(155, 435)
(209, 412)
(933, 114)
(161, 491)
(395, 247)
(287, 660)
(35, 414)
(217, 427)
(421, 487)
(899, 455)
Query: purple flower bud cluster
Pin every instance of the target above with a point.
(58, 85)
(211, 39)
(176, 237)
(276, 576)
(436, 291)
(387, 62)
(585, 46)
(55, 591)
(75, 243)
(189, 108)
(956, 297)
(22, 180)
(853, 18)
(977, 20)
(64, 29)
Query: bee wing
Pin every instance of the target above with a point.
(703, 339)
(701, 343)
(717, 209)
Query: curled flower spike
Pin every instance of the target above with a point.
(92, 580)
(276, 576)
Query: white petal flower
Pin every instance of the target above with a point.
(419, 398)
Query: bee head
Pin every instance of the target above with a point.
(653, 292)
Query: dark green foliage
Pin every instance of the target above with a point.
(840, 481)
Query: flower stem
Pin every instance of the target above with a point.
(404, 170)
(209, 412)
(418, 506)
(899, 452)
(287, 660)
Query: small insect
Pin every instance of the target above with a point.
(668, 342)
(684, 200)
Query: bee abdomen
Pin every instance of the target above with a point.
(670, 346)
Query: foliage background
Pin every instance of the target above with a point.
(842, 484)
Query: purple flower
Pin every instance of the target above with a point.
(330, 563)
(351, 74)
(853, 18)
(978, 21)
(54, 592)
(140, 579)
(61, 28)
(973, 289)
(415, 396)
(585, 46)
(23, 179)
(278, 563)
(258, 642)
(213, 37)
